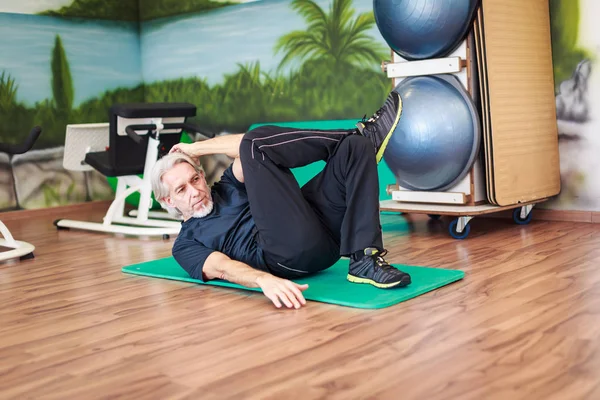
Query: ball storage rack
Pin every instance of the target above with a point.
(459, 227)
(518, 165)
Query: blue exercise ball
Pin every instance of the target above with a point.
(420, 29)
(438, 135)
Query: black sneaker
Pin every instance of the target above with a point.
(381, 125)
(373, 269)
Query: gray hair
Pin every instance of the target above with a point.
(162, 166)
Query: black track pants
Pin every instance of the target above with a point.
(305, 230)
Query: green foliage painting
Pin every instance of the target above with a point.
(336, 76)
(134, 10)
(120, 10)
(153, 9)
(566, 54)
(8, 92)
(16, 119)
(62, 83)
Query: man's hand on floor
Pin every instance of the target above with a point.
(280, 291)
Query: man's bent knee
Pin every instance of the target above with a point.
(357, 142)
(260, 132)
(357, 146)
(248, 150)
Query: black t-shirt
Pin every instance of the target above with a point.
(229, 229)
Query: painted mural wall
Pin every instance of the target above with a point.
(57, 70)
(576, 50)
(239, 62)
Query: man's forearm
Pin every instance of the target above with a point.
(278, 290)
(240, 273)
(226, 144)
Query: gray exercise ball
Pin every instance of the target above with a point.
(420, 29)
(438, 135)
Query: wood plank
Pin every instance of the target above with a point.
(57, 211)
(545, 214)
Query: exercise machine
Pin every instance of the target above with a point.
(17, 248)
(128, 147)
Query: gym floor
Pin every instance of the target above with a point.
(523, 323)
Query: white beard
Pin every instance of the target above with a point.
(204, 211)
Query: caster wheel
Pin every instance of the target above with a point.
(517, 217)
(434, 216)
(458, 235)
(166, 237)
(27, 257)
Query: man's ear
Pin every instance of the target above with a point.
(168, 201)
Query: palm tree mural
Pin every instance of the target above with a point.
(338, 77)
(336, 37)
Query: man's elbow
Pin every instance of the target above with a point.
(237, 170)
(213, 266)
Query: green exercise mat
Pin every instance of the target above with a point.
(329, 286)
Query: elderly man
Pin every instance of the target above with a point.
(256, 227)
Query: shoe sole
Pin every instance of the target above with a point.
(403, 282)
(389, 135)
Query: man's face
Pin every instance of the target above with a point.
(188, 191)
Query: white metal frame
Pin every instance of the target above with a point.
(162, 215)
(18, 248)
(402, 68)
(143, 222)
(457, 64)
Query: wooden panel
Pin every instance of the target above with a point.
(485, 107)
(521, 97)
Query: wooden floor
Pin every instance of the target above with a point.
(524, 323)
